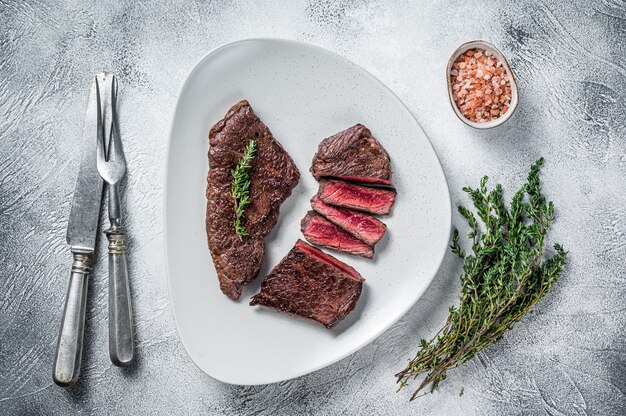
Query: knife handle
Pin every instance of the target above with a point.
(121, 344)
(70, 344)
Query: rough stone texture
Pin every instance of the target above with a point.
(567, 358)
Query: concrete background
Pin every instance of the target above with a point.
(567, 358)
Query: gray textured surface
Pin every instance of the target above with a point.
(568, 357)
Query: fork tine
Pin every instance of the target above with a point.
(105, 78)
(101, 158)
(116, 150)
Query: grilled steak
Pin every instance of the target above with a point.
(321, 232)
(362, 226)
(273, 175)
(361, 198)
(353, 155)
(311, 284)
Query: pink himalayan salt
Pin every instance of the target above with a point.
(481, 86)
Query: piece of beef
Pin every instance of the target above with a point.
(353, 155)
(375, 200)
(311, 284)
(362, 226)
(273, 175)
(321, 232)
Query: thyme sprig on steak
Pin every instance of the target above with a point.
(240, 189)
(503, 279)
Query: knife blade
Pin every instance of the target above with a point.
(82, 228)
(82, 231)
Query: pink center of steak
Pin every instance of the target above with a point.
(362, 226)
(358, 197)
(321, 232)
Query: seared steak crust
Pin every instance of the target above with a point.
(311, 284)
(273, 176)
(353, 155)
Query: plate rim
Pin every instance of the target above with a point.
(168, 277)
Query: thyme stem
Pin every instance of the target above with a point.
(503, 278)
(240, 189)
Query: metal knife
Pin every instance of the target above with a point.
(82, 231)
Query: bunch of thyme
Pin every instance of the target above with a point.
(240, 189)
(502, 280)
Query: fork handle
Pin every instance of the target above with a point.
(70, 343)
(121, 343)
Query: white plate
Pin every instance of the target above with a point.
(303, 94)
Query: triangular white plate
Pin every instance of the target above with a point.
(303, 93)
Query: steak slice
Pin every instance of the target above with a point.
(353, 155)
(361, 198)
(362, 226)
(321, 232)
(310, 284)
(273, 175)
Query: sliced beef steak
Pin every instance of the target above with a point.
(374, 200)
(273, 175)
(311, 284)
(321, 232)
(362, 226)
(353, 155)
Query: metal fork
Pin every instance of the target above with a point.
(112, 168)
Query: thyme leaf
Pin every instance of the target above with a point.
(504, 277)
(240, 189)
